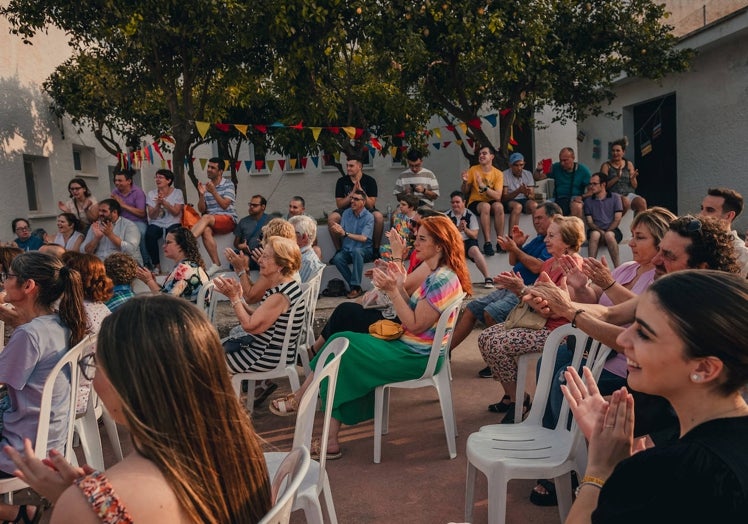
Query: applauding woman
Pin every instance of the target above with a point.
(196, 458)
(697, 358)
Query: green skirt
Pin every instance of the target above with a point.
(369, 362)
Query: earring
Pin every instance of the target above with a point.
(696, 377)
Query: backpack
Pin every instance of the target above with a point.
(335, 288)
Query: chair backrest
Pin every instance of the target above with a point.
(207, 300)
(327, 368)
(286, 482)
(306, 337)
(585, 347)
(68, 362)
(443, 334)
(296, 316)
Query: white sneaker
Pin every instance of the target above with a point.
(213, 269)
(488, 284)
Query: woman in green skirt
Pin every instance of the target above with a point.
(371, 362)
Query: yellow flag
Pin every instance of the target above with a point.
(242, 128)
(202, 128)
(271, 164)
(315, 132)
(437, 132)
(350, 131)
(203, 161)
(463, 126)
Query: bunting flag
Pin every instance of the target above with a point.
(474, 123)
(202, 128)
(315, 132)
(446, 144)
(237, 165)
(259, 164)
(203, 161)
(223, 128)
(282, 164)
(437, 132)
(376, 143)
(646, 148)
(491, 119)
(350, 131)
(262, 129)
(242, 128)
(304, 161)
(158, 150)
(298, 126)
(656, 130)
(463, 127)
(393, 151)
(505, 112)
(248, 165)
(270, 164)
(292, 162)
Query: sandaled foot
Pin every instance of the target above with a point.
(284, 406)
(262, 393)
(26, 515)
(501, 406)
(544, 493)
(331, 454)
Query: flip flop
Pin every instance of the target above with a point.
(266, 392)
(284, 406)
(316, 446)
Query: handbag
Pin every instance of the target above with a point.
(189, 216)
(524, 316)
(386, 330)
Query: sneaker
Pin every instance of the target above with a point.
(488, 283)
(488, 249)
(498, 248)
(213, 269)
(485, 372)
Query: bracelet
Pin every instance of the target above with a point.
(397, 259)
(589, 481)
(235, 302)
(610, 286)
(240, 273)
(574, 318)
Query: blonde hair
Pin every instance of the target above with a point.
(286, 253)
(278, 227)
(571, 230)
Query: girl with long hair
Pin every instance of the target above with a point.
(196, 458)
(371, 362)
(82, 204)
(68, 235)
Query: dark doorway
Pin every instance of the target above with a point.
(655, 125)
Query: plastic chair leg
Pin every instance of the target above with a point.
(329, 506)
(312, 508)
(87, 429)
(497, 500)
(469, 491)
(378, 416)
(445, 402)
(563, 492)
(111, 431)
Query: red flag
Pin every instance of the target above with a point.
(261, 128)
(359, 132)
(401, 134)
(298, 126)
(474, 123)
(505, 112)
(259, 164)
(450, 127)
(223, 128)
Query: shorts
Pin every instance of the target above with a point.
(522, 202)
(497, 304)
(473, 206)
(470, 242)
(223, 224)
(616, 232)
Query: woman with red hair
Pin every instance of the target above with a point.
(97, 286)
(371, 362)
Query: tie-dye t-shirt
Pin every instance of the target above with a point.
(440, 289)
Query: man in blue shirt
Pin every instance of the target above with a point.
(527, 260)
(571, 180)
(355, 231)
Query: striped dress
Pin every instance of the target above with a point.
(261, 352)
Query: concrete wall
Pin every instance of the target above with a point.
(712, 119)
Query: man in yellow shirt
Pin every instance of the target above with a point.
(484, 187)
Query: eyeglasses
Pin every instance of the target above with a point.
(23, 229)
(87, 366)
(357, 199)
(71, 188)
(254, 205)
(159, 176)
(6, 276)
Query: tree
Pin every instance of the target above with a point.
(167, 63)
(469, 56)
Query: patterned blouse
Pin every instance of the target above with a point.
(185, 280)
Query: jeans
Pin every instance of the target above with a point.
(497, 304)
(142, 227)
(357, 258)
(152, 234)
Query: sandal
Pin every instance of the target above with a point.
(501, 406)
(317, 446)
(284, 406)
(265, 392)
(509, 417)
(23, 516)
(548, 498)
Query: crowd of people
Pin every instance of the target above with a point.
(667, 404)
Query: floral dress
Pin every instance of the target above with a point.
(185, 280)
(401, 223)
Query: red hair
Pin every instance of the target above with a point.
(446, 235)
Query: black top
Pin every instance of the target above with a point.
(344, 186)
(701, 478)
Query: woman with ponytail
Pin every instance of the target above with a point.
(33, 285)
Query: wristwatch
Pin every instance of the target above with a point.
(345, 233)
(483, 189)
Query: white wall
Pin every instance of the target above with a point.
(712, 119)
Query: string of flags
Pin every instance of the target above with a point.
(153, 152)
(650, 130)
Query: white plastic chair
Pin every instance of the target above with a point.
(286, 484)
(286, 367)
(528, 450)
(306, 339)
(315, 482)
(440, 381)
(67, 364)
(207, 300)
(87, 430)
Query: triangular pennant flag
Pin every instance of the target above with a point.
(167, 138)
(292, 162)
(315, 132)
(298, 126)
(223, 128)
(393, 151)
(437, 145)
(359, 133)
(202, 128)
(657, 130)
(336, 156)
(463, 127)
(451, 128)
(315, 161)
(277, 124)
(505, 112)
(282, 164)
(646, 147)
(470, 142)
(304, 160)
(261, 128)
(376, 143)
(491, 119)
(259, 164)
(372, 151)
(333, 130)
(271, 164)
(437, 132)
(237, 165)
(168, 163)
(512, 141)
(148, 152)
(350, 131)
(203, 161)
(446, 144)
(474, 123)
(242, 128)
(163, 164)
(458, 142)
(248, 165)
(158, 150)
(401, 134)
(510, 147)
